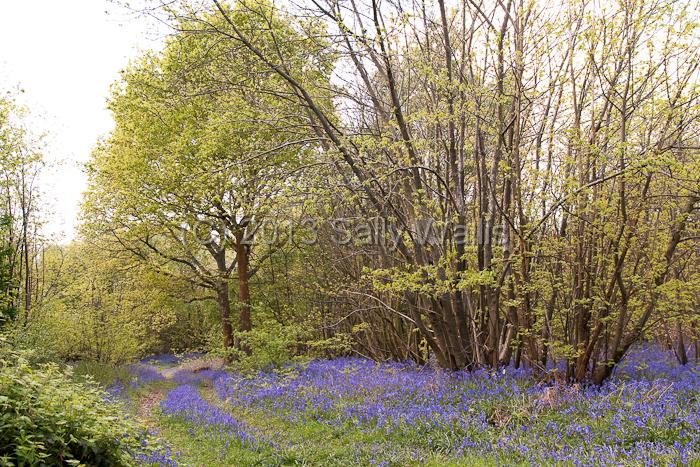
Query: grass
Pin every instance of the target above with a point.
(359, 413)
(308, 444)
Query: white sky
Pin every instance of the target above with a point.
(65, 55)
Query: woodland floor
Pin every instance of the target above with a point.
(356, 412)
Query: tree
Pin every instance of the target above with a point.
(195, 166)
(20, 165)
(7, 285)
(98, 306)
(551, 152)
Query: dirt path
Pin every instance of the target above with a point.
(194, 365)
(147, 402)
(146, 405)
(168, 373)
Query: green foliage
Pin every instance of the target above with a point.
(270, 344)
(193, 168)
(20, 165)
(106, 374)
(336, 345)
(46, 418)
(8, 289)
(100, 308)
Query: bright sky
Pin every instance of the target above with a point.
(65, 55)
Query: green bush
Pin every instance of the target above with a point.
(47, 419)
(105, 374)
(271, 344)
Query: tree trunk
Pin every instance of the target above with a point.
(222, 299)
(244, 320)
(681, 352)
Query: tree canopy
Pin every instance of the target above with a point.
(474, 184)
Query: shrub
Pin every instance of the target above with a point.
(273, 345)
(46, 418)
(105, 374)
